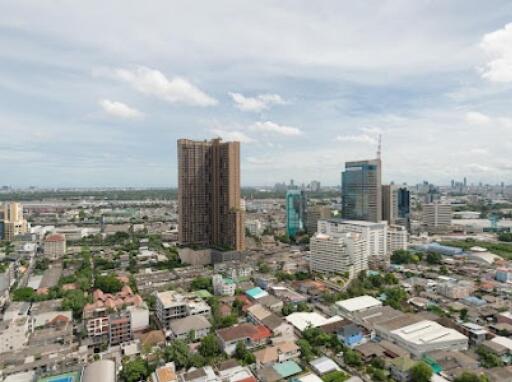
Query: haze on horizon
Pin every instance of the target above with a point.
(96, 93)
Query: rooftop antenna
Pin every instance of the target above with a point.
(379, 147)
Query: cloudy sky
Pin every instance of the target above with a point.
(95, 93)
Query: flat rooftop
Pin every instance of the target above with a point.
(428, 332)
(358, 303)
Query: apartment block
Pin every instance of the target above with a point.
(209, 205)
(171, 305)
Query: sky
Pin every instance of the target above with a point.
(96, 93)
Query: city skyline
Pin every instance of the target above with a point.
(94, 105)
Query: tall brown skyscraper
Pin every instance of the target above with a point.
(209, 194)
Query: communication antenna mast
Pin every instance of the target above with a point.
(379, 147)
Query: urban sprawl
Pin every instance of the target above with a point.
(215, 283)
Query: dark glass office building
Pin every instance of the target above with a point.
(361, 192)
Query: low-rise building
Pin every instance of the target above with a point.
(223, 286)
(55, 245)
(251, 335)
(171, 305)
(191, 328)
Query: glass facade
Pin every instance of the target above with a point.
(361, 191)
(295, 212)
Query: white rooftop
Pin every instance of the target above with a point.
(324, 365)
(309, 378)
(358, 303)
(503, 341)
(427, 332)
(301, 320)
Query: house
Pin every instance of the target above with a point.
(251, 335)
(400, 369)
(280, 352)
(193, 327)
(324, 365)
(346, 331)
(278, 371)
(232, 371)
(166, 373)
(203, 374)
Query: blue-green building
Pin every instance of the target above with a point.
(361, 193)
(295, 212)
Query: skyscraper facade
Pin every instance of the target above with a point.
(389, 203)
(209, 207)
(295, 212)
(404, 207)
(361, 191)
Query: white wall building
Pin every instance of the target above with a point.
(398, 238)
(223, 286)
(437, 216)
(338, 253)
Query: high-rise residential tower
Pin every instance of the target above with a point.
(361, 190)
(295, 212)
(209, 194)
(13, 221)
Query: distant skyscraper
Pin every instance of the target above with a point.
(404, 207)
(295, 212)
(389, 203)
(209, 194)
(361, 190)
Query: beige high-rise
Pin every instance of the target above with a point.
(14, 223)
(209, 194)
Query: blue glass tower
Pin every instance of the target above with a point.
(295, 212)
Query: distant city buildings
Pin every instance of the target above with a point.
(210, 212)
(295, 211)
(361, 190)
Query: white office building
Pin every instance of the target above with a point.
(338, 252)
(374, 234)
(437, 216)
(397, 239)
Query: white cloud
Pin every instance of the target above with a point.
(479, 151)
(274, 128)
(498, 46)
(119, 109)
(476, 118)
(258, 103)
(233, 135)
(363, 138)
(174, 90)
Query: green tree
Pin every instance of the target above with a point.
(24, 294)
(471, 377)
(306, 350)
(421, 372)
(209, 346)
(74, 300)
(463, 314)
(202, 282)
(352, 358)
(434, 258)
(178, 353)
(334, 376)
(108, 284)
(488, 359)
(134, 370)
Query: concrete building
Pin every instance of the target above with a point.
(504, 275)
(437, 216)
(193, 327)
(100, 371)
(338, 252)
(455, 290)
(13, 221)
(209, 207)
(223, 286)
(361, 190)
(389, 203)
(397, 238)
(171, 305)
(314, 214)
(357, 305)
(55, 245)
(13, 334)
(374, 234)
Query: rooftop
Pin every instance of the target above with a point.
(359, 303)
(428, 332)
